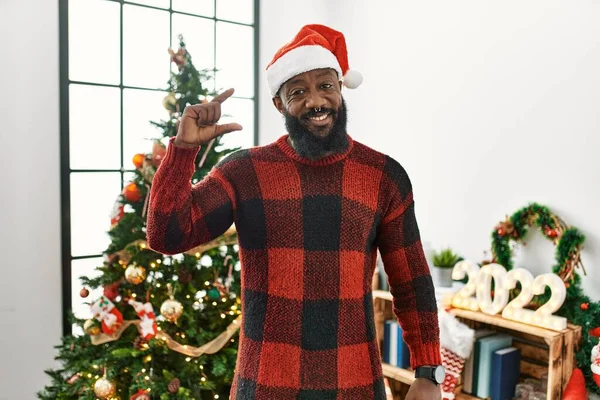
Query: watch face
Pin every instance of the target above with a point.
(440, 374)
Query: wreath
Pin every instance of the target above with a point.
(568, 240)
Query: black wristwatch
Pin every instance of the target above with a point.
(436, 373)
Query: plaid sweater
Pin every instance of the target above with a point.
(308, 233)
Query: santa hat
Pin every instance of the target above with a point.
(314, 47)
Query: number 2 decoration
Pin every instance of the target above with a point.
(479, 282)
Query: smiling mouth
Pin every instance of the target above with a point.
(320, 119)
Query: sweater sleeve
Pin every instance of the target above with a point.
(409, 277)
(182, 216)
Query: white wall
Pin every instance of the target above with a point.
(488, 105)
(30, 284)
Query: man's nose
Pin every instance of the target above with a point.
(315, 100)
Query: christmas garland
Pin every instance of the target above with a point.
(209, 348)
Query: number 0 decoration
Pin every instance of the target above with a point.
(480, 282)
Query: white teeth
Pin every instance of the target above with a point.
(321, 118)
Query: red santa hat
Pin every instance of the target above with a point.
(313, 47)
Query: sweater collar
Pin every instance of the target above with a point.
(289, 151)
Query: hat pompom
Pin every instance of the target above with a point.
(352, 79)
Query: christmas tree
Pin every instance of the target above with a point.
(164, 327)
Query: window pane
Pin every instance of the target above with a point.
(199, 36)
(155, 3)
(236, 10)
(235, 58)
(200, 7)
(92, 197)
(87, 268)
(242, 112)
(94, 118)
(145, 44)
(94, 41)
(139, 108)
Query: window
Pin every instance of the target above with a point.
(114, 72)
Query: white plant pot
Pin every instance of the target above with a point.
(442, 277)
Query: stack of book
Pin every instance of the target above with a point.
(493, 369)
(395, 350)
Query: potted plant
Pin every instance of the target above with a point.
(443, 263)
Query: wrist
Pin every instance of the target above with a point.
(177, 142)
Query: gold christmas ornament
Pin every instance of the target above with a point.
(135, 274)
(169, 102)
(171, 309)
(91, 327)
(104, 388)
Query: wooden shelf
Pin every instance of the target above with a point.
(382, 294)
(547, 351)
(400, 374)
(497, 320)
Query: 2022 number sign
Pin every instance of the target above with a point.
(476, 294)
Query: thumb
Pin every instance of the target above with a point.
(226, 128)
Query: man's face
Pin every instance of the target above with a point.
(315, 112)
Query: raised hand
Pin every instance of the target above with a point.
(198, 123)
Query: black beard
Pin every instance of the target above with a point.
(308, 145)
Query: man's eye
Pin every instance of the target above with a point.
(297, 92)
(327, 86)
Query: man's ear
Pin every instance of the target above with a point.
(341, 85)
(278, 104)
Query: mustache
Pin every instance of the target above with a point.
(322, 110)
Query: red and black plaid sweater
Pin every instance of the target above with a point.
(308, 233)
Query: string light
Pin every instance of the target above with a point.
(158, 285)
(207, 283)
(203, 379)
(158, 261)
(188, 359)
(183, 335)
(198, 255)
(143, 370)
(214, 303)
(223, 315)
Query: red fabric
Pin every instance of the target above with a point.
(320, 35)
(576, 389)
(308, 233)
(453, 364)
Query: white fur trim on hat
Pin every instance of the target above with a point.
(298, 61)
(454, 335)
